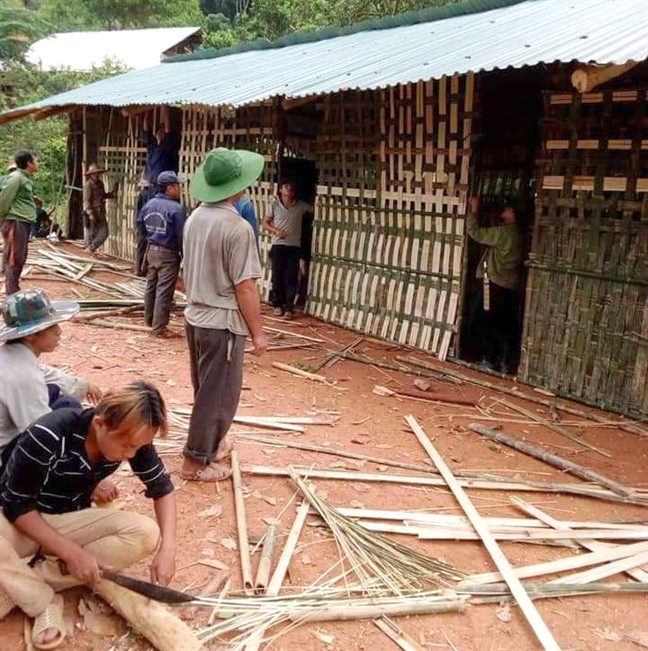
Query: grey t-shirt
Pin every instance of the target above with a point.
(288, 219)
(219, 253)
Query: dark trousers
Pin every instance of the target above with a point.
(505, 330)
(302, 284)
(216, 360)
(163, 266)
(95, 232)
(285, 272)
(16, 243)
(140, 256)
(59, 401)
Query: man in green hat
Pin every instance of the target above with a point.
(221, 267)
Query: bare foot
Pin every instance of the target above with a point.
(224, 449)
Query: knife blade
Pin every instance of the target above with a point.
(150, 590)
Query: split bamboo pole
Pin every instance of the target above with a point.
(241, 526)
(263, 571)
(532, 615)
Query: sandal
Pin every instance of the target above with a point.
(167, 334)
(51, 617)
(211, 473)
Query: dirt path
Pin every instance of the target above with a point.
(368, 424)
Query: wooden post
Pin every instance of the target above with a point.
(162, 629)
(517, 589)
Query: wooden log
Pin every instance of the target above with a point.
(591, 545)
(564, 564)
(555, 428)
(284, 560)
(148, 618)
(263, 571)
(80, 318)
(586, 78)
(526, 605)
(552, 459)
(299, 372)
(439, 371)
(241, 526)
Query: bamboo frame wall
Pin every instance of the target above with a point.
(389, 222)
(586, 317)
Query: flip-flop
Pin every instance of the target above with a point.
(51, 617)
(210, 473)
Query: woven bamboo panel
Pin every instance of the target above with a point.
(389, 227)
(586, 316)
(123, 154)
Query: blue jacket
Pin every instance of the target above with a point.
(246, 210)
(161, 221)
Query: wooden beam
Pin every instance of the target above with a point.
(517, 589)
(586, 78)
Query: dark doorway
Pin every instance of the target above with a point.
(504, 156)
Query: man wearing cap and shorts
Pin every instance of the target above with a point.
(221, 266)
(17, 214)
(94, 206)
(161, 222)
(30, 389)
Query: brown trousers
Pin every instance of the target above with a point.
(117, 539)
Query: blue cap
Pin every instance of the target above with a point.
(167, 178)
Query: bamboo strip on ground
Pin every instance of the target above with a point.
(564, 564)
(263, 571)
(591, 545)
(555, 428)
(438, 370)
(298, 371)
(397, 635)
(241, 526)
(332, 358)
(603, 571)
(552, 459)
(293, 334)
(284, 560)
(526, 605)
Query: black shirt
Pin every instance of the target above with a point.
(48, 469)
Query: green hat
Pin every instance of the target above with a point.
(30, 311)
(224, 173)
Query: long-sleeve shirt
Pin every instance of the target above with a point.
(23, 390)
(94, 198)
(504, 256)
(17, 197)
(161, 221)
(49, 470)
(161, 157)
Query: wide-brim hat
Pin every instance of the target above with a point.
(30, 311)
(94, 169)
(224, 173)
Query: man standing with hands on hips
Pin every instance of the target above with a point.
(221, 267)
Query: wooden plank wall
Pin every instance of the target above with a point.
(586, 316)
(389, 222)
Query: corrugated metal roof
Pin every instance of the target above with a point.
(525, 34)
(135, 48)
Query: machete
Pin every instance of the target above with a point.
(150, 590)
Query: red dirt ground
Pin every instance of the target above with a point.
(111, 357)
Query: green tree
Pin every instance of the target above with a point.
(19, 27)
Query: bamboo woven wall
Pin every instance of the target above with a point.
(389, 222)
(122, 152)
(586, 317)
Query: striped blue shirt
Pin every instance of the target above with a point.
(47, 468)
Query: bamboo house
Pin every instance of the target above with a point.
(391, 127)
